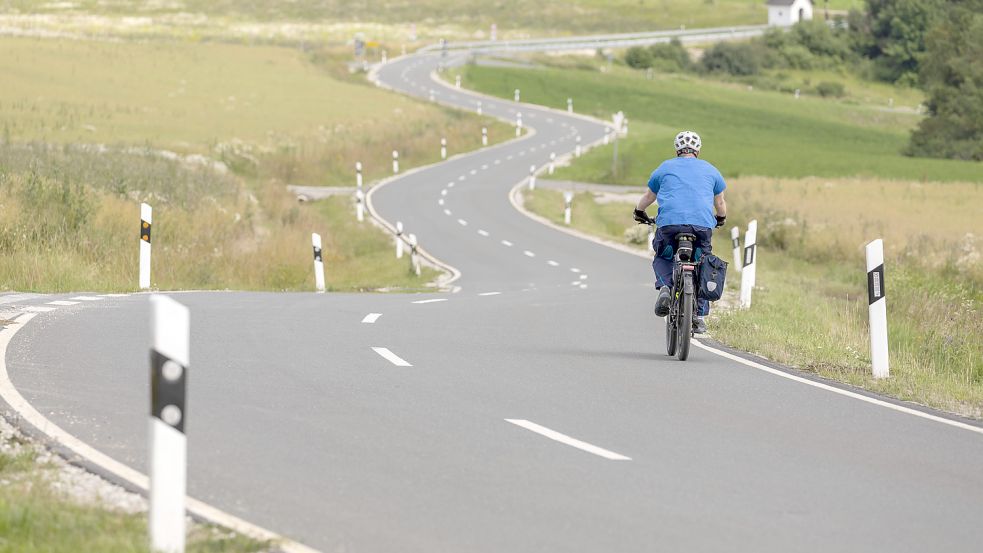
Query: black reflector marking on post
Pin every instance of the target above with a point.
(749, 254)
(145, 231)
(875, 284)
(317, 254)
(737, 243)
(167, 390)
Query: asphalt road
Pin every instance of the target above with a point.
(297, 424)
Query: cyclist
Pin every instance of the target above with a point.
(690, 194)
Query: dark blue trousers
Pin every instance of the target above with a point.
(664, 246)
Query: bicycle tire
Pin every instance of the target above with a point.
(670, 335)
(684, 329)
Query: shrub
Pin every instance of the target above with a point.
(736, 59)
(638, 57)
(671, 56)
(830, 89)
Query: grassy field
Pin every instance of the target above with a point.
(433, 18)
(37, 517)
(266, 111)
(744, 132)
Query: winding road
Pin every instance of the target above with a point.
(530, 407)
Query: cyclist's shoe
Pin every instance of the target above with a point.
(662, 304)
(699, 326)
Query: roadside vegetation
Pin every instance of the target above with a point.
(209, 135)
(833, 177)
(38, 516)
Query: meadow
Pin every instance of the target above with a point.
(822, 177)
(210, 135)
(388, 19)
(745, 132)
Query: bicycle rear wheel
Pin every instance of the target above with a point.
(684, 325)
(671, 333)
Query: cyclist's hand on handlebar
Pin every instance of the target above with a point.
(720, 220)
(642, 217)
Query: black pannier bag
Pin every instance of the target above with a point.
(713, 272)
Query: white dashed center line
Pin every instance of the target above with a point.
(489, 293)
(440, 201)
(552, 263)
(430, 301)
(447, 212)
(483, 232)
(371, 318)
(462, 177)
(37, 309)
(462, 222)
(484, 166)
(443, 192)
(474, 171)
(574, 270)
(528, 253)
(391, 357)
(506, 243)
(564, 439)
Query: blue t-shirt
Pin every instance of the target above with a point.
(684, 188)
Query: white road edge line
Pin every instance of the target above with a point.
(419, 302)
(840, 391)
(87, 298)
(564, 439)
(37, 309)
(391, 357)
(489, 293)
(63, 302)
(137, 479)
(371, 318)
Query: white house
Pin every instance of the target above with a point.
(785, 13)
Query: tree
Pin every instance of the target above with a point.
(892, 33)
(739, 59)
(952, 75)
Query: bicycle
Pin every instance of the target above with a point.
(682, 306)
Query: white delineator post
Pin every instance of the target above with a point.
(568, 202)
(878, 308)
(569, 105)
(484, 136)
(532, 177)
(399, 239)
(517, 95)
(169, 349)
(414, 258)
(433, 96)
(395, 161)
(359, 205)
(385, 56)
(735, 240)
(577, 150)
(358, 175)
(457, 81)
(750, 262)
(146, 218)
(318, 262)
(443, 148)
(552, 162)
(479, 107)
(518, 123)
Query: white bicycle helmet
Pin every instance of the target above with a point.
(688, 142)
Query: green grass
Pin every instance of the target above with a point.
(744, 132)
(36, 518)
